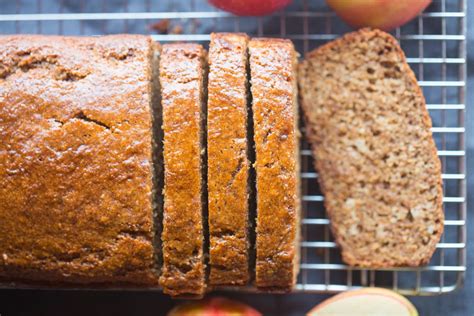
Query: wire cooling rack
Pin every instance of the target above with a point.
(435, 46)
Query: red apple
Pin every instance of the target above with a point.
(382, 14)
(368, 301)
(250, 7)
(216, 306)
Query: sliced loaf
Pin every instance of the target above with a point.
(370, 133)
(275, 117)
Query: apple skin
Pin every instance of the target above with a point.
(216, 306)
(375, 300)
(250, 7)
(382, 14)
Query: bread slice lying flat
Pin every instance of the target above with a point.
(275, 112)
(370, 133)
(228, 165)
(182, 97)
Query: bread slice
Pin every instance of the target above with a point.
(370, 133)
(76, 161)
(275, 117)
(228, 165)
(182, 79)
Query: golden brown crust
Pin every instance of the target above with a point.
(228, 165)
(273, 79)
(181, 78)
(75, 160)
(411, 238)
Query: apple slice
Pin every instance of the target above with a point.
(216, 306)
(365, 302)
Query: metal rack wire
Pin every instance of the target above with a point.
(435, 46)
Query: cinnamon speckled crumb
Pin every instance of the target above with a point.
(370, 132)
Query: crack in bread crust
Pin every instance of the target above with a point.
(75, 161)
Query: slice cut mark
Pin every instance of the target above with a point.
(157, 154)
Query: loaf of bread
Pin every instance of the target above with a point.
(228, 164)
(102, 153)
(182, 79)
(275, 117)
(370, 133)
(75, 160)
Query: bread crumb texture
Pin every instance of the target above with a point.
(378, 167)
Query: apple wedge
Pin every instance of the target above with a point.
(365, 302)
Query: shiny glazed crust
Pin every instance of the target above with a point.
(182, 93)
(228, 166)
(75, 160)
(273, 87)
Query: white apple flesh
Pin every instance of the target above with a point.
(365, 302)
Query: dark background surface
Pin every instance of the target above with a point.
(71, 302)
